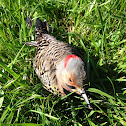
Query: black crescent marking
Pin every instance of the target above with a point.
(65, 91)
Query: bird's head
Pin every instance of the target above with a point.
(71, 75)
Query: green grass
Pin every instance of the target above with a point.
(98, 29)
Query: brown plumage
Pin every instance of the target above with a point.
(56, 63)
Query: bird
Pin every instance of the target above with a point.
(57, 64)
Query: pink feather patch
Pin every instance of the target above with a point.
(69, 57)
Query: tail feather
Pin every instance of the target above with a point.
(40, 27)
(32, 43)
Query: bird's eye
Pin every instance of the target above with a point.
(70, 80)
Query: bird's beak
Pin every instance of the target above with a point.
(82, 92)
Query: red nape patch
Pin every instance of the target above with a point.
(68, 58)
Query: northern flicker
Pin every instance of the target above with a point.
(56, 63)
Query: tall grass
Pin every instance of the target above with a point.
(97, 29)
